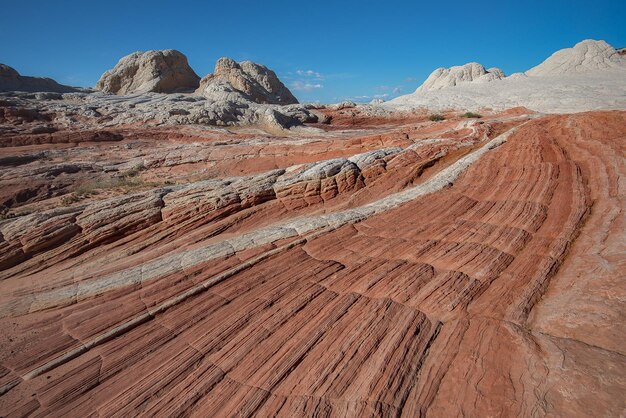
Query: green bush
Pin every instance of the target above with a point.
(436, 117)
(134, 172)
(471, 115)
(69, 199)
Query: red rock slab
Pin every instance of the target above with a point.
(584, 301)
(455, 303)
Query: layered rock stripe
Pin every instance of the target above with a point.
(405, 268)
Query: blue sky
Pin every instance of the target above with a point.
(323, 50)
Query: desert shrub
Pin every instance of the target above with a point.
(127, 182)
(67, 200)
(471, 115)
(436, 117)
(4, 213)
(134, 172)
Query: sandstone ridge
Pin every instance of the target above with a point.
(384, 265)
(11, 80)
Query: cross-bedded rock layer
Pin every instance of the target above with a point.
(378, 266)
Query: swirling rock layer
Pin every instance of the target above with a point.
(379, 266)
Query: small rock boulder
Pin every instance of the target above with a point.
(257, 82)
(160, 71)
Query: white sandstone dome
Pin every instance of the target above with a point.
(589, 76)
(443, 78)
(586, 56)
(257, 82)
(159, 71)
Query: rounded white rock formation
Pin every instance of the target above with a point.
(257, 82)
(589, 76)
(159, 71)
(586, 56)
(443, 78)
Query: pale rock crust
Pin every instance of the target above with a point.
(517, 76)
(257, 82)
(472, 72)
(159, 71)
(226, 107)
(589, 76)
(586, 56)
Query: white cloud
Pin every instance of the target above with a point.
(300, 85)
(383, 89)
(352, 99)
(310, 74)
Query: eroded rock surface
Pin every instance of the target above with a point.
(159, 71)
(65, 116)
(255, 81)
(380, 264)
(472, 72)
(589, 76)
(153, 88)
(11, 80)
(584, 57)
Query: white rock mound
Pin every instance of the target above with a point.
(257, 82)
(586, 56)
(159, 71)
(589, 76)
(472, 72)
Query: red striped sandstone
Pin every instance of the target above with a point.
(405, 268)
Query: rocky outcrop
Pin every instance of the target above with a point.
(588, 76)
(159, 71)
(257, 82)
(11, 80)
(49, 123)
(472, 72)
(586, 56)
(381, 265)
(407, 269)
(151, 86)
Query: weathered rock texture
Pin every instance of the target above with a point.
(588, 76)
(153, 86)
(11, 80)
(472, 72)
(165, 71)
(257, 82)
(584, 57)
(49, 116)
(380, 265)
